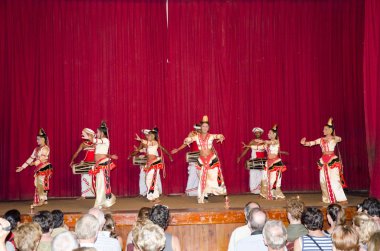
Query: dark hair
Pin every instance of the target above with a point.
(103, 128)
(45, 220)
(371, 206)
(110, 225)
(144, 213)
(160, 216)
(14, 217)
(312, 218)
(154, 131)
(336, 213)
(57, 218)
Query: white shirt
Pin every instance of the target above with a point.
(238, 234)
(106, 243)
(102, 146)
(252, 242)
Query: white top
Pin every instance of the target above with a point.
(105, 242)
(102, 145)
(326, 145)
(252, 242)
(151, 147)
(203, 144)
(273, 149)
(238, 234)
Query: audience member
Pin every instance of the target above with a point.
(312, 218)
(275, 235)
(256, 220)
(243, 231)
(104, 240)
(160, 215)
(27, 236)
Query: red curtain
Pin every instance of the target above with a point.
(371, 91)
(69, 64)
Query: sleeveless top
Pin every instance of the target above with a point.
(324, 242)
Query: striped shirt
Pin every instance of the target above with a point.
(325, 243)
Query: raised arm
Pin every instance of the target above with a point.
(75, 155)
(310, 143)
(136, 151)
(337, 139)
(246, 148)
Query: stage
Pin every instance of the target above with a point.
(199, 226)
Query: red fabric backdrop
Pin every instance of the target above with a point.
(372, 91)
(69, 64)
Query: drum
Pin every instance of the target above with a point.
(192, 157)
(139, 161)
(82, 167)
(257, 164)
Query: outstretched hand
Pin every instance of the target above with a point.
(137, 137)
(303, 141)
(174, 151)
(114, 156)
(19, 169)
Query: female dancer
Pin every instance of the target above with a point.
(330, 174)
(89, 160)
(272, 175)
(43, 170)
(140, 152)
(154, 162)
(102, 169)
(211, 178)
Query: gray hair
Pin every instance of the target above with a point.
(257, 219)
(64, 241)
(87, 227)
(275, 234)
(150, 237)
(99, 215)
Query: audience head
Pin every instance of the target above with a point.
(365, 226)
(257, 219)
(144, 213)
(371, 206)
(336, 215)
(57, 218)
(374, 242)
(160, 216)
(109, 225)
(64, 241)
(87, 228)
(275, 235)
(312, 219)
(345, 238)
(248, 207)
(150, 237)
(27, 236)
(5, 228)
(45, 220)
(98, 215)
(14, 218)
(294, 208)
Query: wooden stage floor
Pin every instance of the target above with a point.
(175, 203)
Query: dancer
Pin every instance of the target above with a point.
(154, 162)
(330, 166)
(102, 169)
(256, 163)
(43, 170)
(272, 175)
(88, 162)
(191, 157)
(211, 178)
(139, 158)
